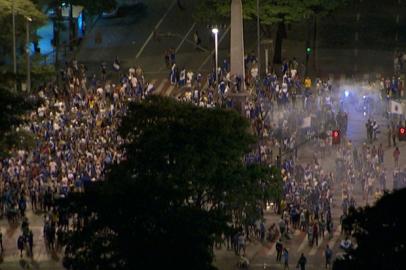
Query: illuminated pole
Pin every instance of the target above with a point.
(14, 44)
(29, 20)
(258, 42)
(215, 31)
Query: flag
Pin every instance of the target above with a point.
(307, 122)
(395, 107)
(116, 66)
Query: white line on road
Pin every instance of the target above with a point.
(303, 244)
(272, 250)
(153, 81)
(206, 84)
(336, 235)
(181, 43)
(169, 91)
(161, 86)
(212, 52)
(185, 37)
(180, 92)
(314, 249)
(155, 28)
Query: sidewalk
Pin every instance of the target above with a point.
(227, 260)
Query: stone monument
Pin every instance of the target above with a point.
(237, 53)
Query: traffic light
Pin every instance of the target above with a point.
(402, 134)
(335, 134)
(308, 50)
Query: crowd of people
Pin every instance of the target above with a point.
(76, 137)
(75, 132)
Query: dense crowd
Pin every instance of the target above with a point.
(76, 137)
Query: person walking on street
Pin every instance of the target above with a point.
(301, 264)
(1, 242)
(389, 136)
(30, 240)
(328, 254)
(285, 256)
(396, 155)
(315, 234)
(394, 132)
(241, 243)
(279, 249)
(20, 245)
(381, 154)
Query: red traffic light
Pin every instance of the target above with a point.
(336, 137)
(402, 134)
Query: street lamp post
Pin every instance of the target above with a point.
(215, 31)
(29, 20)
(14, 44)
(258, 42)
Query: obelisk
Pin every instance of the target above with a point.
(237, 69)
(237, 42)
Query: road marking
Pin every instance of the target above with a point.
(181, 43)
(168, 91)
(181, 91)
(153, 81)
(206, 84)
(161, 86)
(272, 250)
(185, 37)
(155, 28)
(303, 244)
(212, 52)
(336, 235)
(314, 249)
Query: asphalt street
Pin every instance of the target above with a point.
(141, 34)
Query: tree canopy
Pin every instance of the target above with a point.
(182, 184)
(272, 13)
(13, 106)
(380, 236)
(95, 7)
(22, 7)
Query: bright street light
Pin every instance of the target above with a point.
(29, 20)
(14, 45)
(215, 31)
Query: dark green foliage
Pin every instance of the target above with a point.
(380, 235)
(95, 7)
(274, 15)
(181, 183)
(13, 106)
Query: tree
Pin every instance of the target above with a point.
(95, 7)
(274, 14)
(180, 186)
(318, 9)
(13, 106)
(380, 235)
(22, 8)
